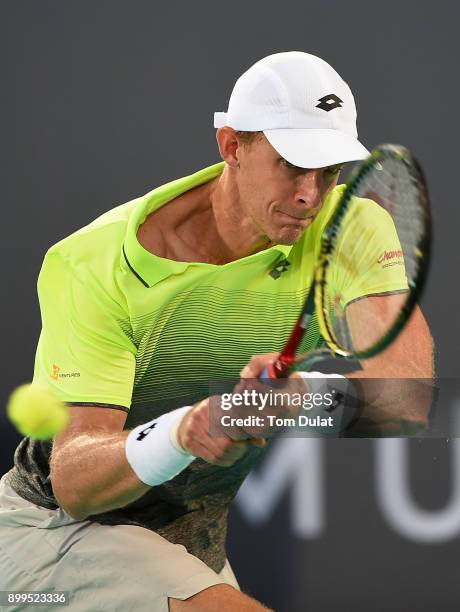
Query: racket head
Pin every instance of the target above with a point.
(390, 185)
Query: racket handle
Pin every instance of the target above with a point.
(267, 375)
(276, 370)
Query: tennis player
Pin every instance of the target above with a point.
(127, 509)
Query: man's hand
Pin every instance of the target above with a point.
(294, 384)
(258, 364)
(194, 437)
(280, 398)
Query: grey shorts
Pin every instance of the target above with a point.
(104, 568)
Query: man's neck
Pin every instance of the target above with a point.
(237, 232)
(206, 224)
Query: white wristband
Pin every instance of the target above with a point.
(318, 383)
(343, 408)
(153, 451)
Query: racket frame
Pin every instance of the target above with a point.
(287, 361)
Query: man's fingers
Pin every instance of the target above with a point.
(257, 442)
(194, 437)
(237, 449)
(201, 450)
(257, 364)
(218, 451)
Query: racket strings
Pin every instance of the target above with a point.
(361, 323)
(397, 187)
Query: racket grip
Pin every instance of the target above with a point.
(272, 372)
(268, 377)
(265, 377)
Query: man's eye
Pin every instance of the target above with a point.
(334, 170)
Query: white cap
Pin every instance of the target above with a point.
(304, 108)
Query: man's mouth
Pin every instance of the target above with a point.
(301, 220)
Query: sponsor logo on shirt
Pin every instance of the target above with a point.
(391, 258)
(56, 374)
(280, 267)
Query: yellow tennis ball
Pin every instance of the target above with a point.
(35, 412)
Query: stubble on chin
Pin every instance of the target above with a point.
(289, 235)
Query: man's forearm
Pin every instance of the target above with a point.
(91, 475)
(391, 407)
(396, 386)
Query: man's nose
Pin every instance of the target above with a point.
(308, 189)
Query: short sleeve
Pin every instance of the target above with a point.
(370, 258)
(84, 353)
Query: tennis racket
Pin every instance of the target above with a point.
(376, 243)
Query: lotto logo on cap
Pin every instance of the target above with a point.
(303, 106)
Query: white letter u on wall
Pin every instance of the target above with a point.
(296, 463)
(396, 503)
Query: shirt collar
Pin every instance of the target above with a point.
(151, 269)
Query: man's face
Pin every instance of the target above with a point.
(281, 200)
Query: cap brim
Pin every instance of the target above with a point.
(310, 148)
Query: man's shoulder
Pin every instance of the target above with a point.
(98, 242)
(111, 223)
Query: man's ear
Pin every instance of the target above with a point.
(227, 141)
